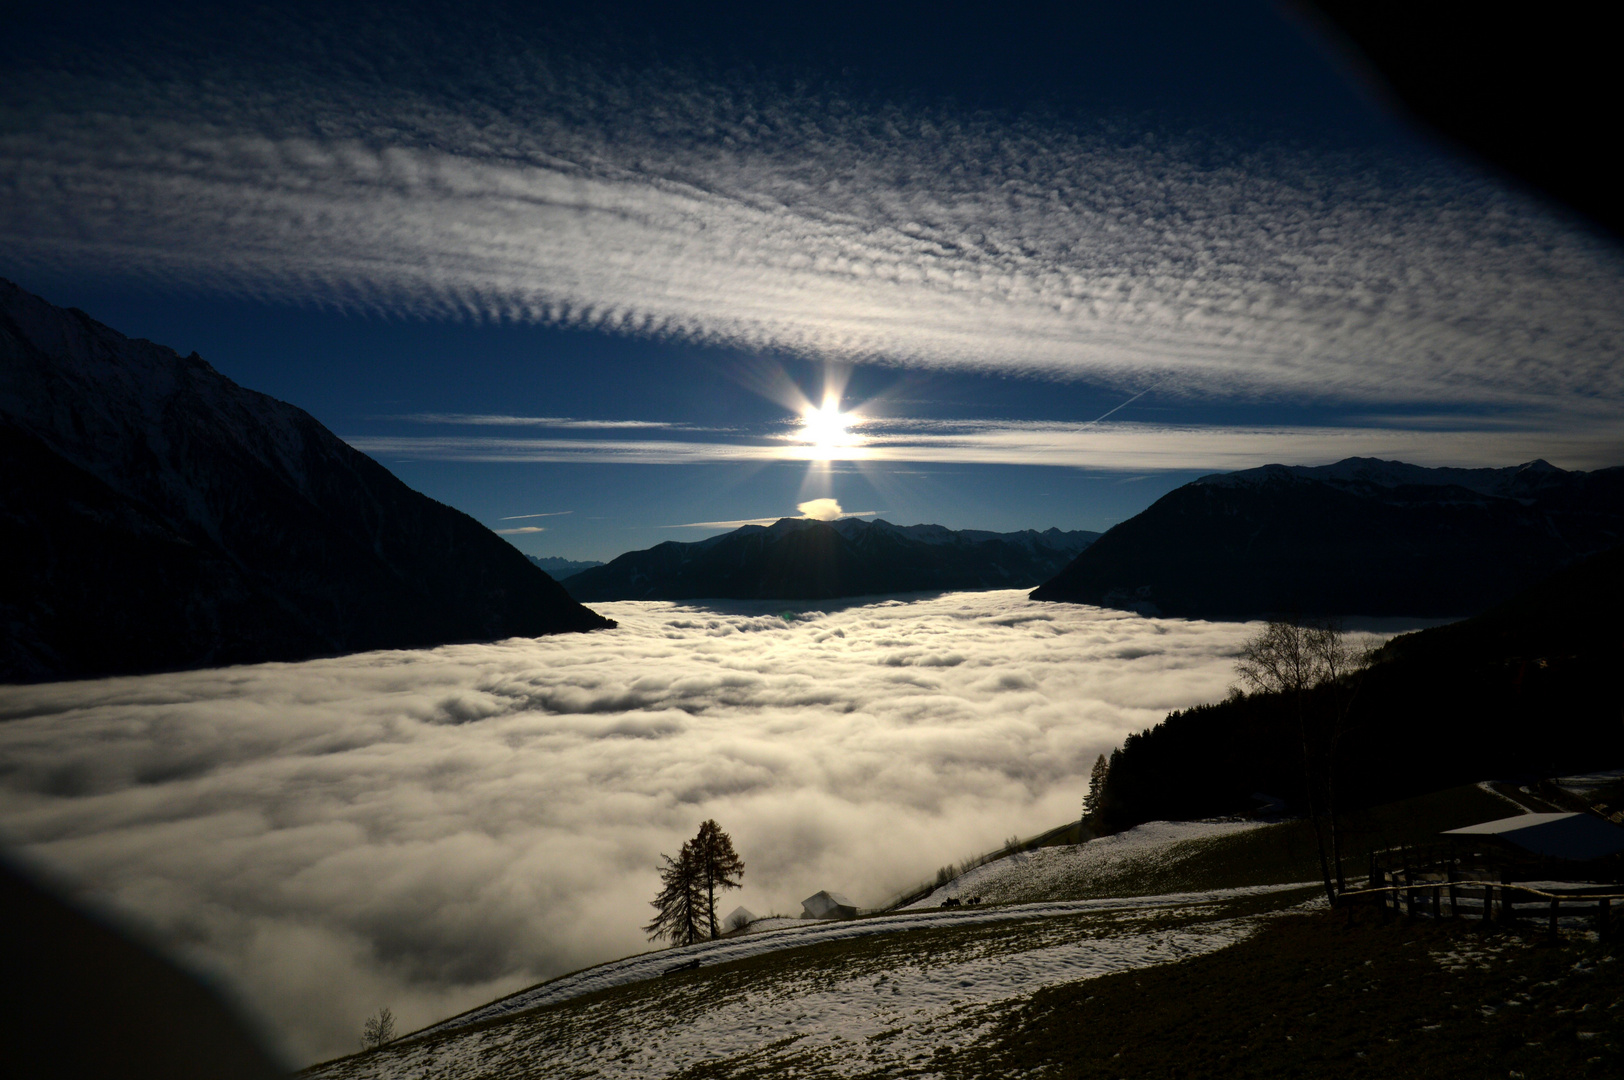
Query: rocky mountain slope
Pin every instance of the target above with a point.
(801, 559)
(154, 515)
(1360, 537)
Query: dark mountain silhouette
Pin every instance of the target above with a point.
(1525, 690)
(801, 559)
(1361, 537)
(154, 515)
(559, 569)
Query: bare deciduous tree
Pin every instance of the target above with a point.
(378, 1030)
(1293, 658)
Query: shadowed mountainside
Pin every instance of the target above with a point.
(155, 516)
(800, 559)
(1361, 537)
(1527, 689)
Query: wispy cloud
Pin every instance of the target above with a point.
(669, 206)
(739, 524)
(522, 517)
(818, 509)
(562, 422)
(1580, 443)
(432, 829)
(520, 531)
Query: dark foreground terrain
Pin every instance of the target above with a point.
(1332, 994)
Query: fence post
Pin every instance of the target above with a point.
(1556, 907)
(1488, 901)
(1454, 894)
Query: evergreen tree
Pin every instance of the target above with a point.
(1093, 802)
(681, 903)
(719, 867)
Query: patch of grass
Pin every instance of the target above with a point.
(1328, 994)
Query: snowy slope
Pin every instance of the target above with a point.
(913, 983)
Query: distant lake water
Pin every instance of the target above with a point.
(430, 829)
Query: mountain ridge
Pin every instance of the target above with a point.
(157, 516)
(807, 559)
(1361, 537)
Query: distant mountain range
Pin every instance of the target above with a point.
(802, 559)
(1360, 537)
(558, 568)
(154, 515)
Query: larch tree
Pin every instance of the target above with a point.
(690, 882)
(719, 867)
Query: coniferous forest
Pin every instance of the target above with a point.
(1527, 689)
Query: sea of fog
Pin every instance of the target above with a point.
(430, 829)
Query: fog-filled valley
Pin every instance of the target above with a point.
(430, 829)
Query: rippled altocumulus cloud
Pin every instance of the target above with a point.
(430, 829)
(656, 201)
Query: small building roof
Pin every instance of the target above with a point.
(1557, 836)
(826, 904)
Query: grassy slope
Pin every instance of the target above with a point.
(609, 1033)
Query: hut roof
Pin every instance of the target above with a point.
(1558, 836)
(824, 904)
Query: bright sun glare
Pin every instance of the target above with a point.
(828, 429)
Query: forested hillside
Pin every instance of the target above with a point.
(1530, 688)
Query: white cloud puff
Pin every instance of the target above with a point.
(430, 829)
(819, 509)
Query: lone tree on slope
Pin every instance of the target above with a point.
(680, 904)
(719, 867)
(1292, 659)
(378, 1030)
(687, 900)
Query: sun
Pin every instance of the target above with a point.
(828, 430)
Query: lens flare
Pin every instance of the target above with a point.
(827, 430)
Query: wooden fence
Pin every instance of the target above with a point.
(1448, 894)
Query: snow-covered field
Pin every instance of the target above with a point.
(917, 983)
(1067, 871)
(431, 830)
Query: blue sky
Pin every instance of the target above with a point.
(594, 266)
